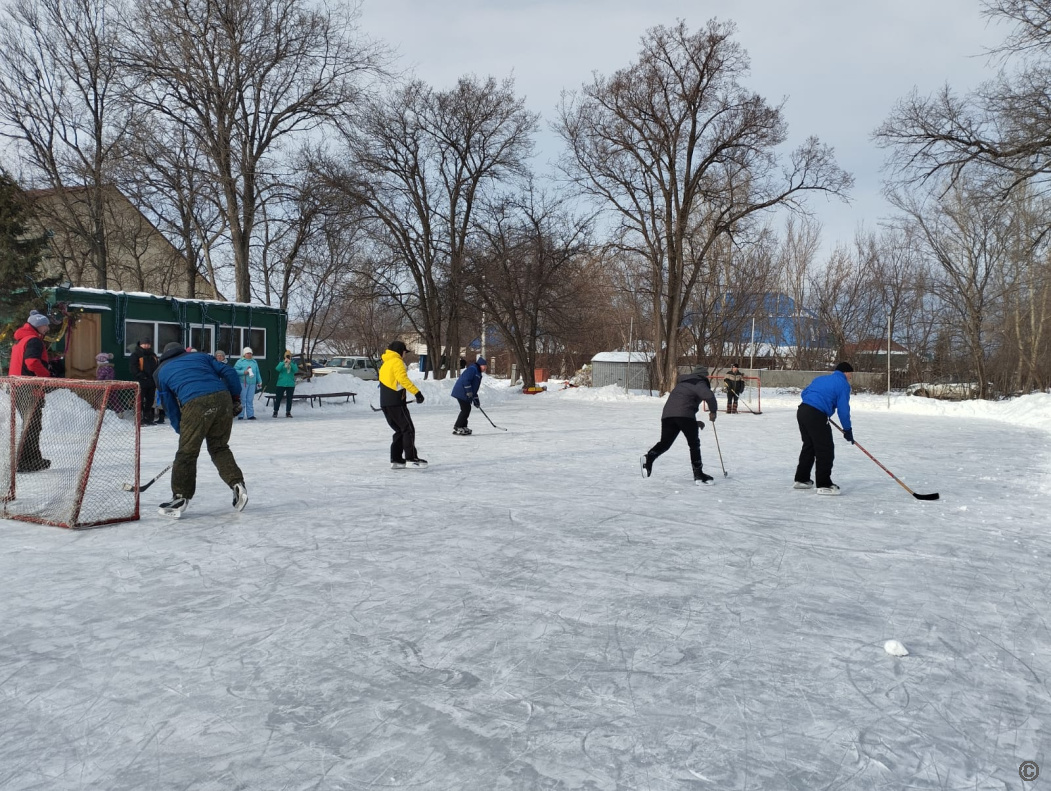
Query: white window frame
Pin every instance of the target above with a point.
(155, 325)
(209, 330)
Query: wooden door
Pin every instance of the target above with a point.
(83, 343)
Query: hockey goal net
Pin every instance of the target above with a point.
(69, 451)
(750, 400)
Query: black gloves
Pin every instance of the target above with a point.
(711, 416)
(237, 407)
(848, 435)
(700, 425)
(476, 402)
(419, 398)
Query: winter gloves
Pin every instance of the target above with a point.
(237, 407)
(419, 398)
(476, 402)
(711, 417)
(848, 435)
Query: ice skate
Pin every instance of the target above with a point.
(174, 507)
(240, 496)
(831, 490)
(647, 465)
(803, 485)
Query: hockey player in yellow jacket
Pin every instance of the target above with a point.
(394, 384)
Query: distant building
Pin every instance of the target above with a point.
(139, 257)
(871, 354)
(618, 368)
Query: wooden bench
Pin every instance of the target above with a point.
(312, 397)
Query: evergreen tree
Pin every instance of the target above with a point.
(21, 256)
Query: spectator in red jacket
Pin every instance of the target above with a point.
(29, 358)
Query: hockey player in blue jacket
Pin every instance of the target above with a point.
(201, 397)
(466, 392)
(824, 396)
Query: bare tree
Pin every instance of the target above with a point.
(524, 272)
(61, 101)
(419, 160)
(1002, 125)
(243, 76)
(164, 171)
(678, 149)
(969, 233)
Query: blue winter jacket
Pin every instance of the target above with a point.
(182, 377)
(467, 385)
(830, 393)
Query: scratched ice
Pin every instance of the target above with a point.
(530, 614)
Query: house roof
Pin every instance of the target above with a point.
(622, 357)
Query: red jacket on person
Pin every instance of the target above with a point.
(29, 355)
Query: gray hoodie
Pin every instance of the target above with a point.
(686, 397)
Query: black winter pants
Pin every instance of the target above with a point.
(817, 444)
(671, 427)
(148, 393)
(283, 393)
(465, 412)
(403, 445)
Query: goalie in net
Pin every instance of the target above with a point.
(67, 447)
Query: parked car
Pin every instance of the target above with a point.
(306, 368)
(361, 367)
(944, 389)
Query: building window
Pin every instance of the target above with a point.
(159, 333)
(202, 339)
(233, 339)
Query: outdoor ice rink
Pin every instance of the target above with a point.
(529, 613)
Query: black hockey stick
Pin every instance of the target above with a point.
(491, 423)
(716, 433)
(130, 487)
(901, 483)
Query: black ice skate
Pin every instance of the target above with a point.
(174, 507)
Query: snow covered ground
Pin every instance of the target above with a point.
(529, 613)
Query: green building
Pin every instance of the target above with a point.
(97, 321)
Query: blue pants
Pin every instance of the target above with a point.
(247, 399)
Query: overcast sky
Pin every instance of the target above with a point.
(841, 64)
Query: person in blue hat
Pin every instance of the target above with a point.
(466, 392)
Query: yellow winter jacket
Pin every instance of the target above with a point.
(394, 380)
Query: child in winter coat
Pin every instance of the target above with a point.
(105, 372)
(248, 371)
(465, 391)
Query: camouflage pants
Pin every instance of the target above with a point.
(207, 419)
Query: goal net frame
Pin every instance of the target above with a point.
(753, 383)
(88, 433)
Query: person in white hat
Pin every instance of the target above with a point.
(248, 369)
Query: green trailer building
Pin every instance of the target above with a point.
(97, 321)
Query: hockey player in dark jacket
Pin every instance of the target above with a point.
(201, 397)
(680, 416)
(465, 391)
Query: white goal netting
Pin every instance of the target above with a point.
(69, 451)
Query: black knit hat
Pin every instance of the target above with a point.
(734, 365)
(396, 346)
(845, 367)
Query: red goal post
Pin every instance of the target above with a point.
(69, 451)
(751, 400)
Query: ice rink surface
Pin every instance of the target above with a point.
(529, 613)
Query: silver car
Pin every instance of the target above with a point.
(361, 367)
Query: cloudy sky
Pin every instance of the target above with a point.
(840, 64)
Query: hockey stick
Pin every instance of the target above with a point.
(491, 419)
(130, 487)
(933, 496)
(716, 433)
